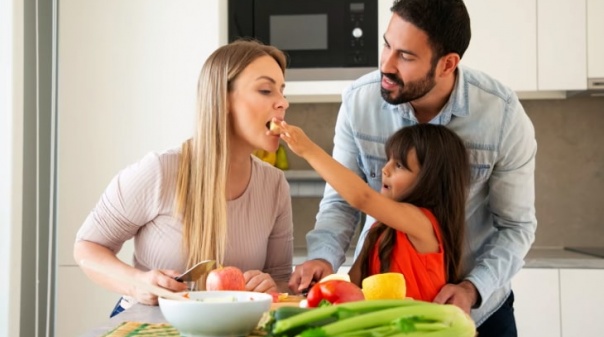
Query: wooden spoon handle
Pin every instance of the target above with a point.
(155, 290)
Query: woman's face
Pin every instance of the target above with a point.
(397, 180)
(256, 98)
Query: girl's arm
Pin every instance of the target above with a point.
(401, 216)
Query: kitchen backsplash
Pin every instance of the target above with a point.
(569, 175)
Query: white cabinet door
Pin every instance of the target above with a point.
(504, 41)
(562, 46)
(595, 39)
(537, 302)
(582, 298)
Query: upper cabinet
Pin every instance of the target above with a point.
(530, 45)
(595, 39)
(506, 51)
(539, 48)
(562, 45)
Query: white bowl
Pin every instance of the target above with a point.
(210, 315)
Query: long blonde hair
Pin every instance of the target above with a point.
(201, 200)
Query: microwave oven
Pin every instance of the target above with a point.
(323, 39)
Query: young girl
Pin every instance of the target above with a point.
(420, 210)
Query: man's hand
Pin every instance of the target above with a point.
(307, 273)
(463, 295)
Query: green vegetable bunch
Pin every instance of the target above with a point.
(372, 318)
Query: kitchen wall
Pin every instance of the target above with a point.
(569, 174)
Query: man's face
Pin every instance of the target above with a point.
(406, 63)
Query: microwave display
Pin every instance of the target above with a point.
(323, 40)
(299, 32)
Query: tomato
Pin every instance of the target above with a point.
(334, 291)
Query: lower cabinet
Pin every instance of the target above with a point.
(582, 302)
(537, 302)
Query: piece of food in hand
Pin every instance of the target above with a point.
(333, 292)
(275, 128)
(225, 278)
(384, 286)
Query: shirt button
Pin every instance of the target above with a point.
(372, 174)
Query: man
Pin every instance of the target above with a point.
(420, 81)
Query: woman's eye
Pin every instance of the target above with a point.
(265, 92)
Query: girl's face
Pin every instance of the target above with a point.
(397, 180)
(257, 97)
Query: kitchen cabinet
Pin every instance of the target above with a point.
(582, 295)
(127, 78)
(537, 302)
(504, 41)
(595, 39)
(562, 44)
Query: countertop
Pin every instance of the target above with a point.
(538, 257)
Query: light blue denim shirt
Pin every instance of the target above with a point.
(500, 139)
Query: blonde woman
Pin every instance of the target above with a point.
(210, 198)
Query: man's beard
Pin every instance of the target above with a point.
(409, 91)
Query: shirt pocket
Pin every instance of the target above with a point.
(371, 166)
(481, 166)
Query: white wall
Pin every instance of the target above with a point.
(11, 143)
(127, 78)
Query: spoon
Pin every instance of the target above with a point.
(155, 290)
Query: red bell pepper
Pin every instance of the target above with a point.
(334, 292)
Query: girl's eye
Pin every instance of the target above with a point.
(399, 165)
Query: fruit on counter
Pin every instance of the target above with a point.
(375, 318)
(384, 286)
(281, 161)
(269, 157)
(333, 292)
(225, 278)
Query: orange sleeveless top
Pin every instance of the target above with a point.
(424, 273)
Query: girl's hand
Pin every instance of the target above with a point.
(161, 278)
(296, 139)
(257, 281)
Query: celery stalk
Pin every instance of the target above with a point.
(342, 311)
(448, 315)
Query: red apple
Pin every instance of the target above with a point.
(225, 278)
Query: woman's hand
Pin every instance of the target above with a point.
(161, 278)
(257, 281)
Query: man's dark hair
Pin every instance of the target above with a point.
(446, 22)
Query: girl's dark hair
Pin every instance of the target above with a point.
(446, 22)
(441, 187)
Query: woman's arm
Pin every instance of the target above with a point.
(103, 256)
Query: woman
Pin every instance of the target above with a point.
(210, 199)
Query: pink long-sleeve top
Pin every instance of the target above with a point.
(139, 204)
